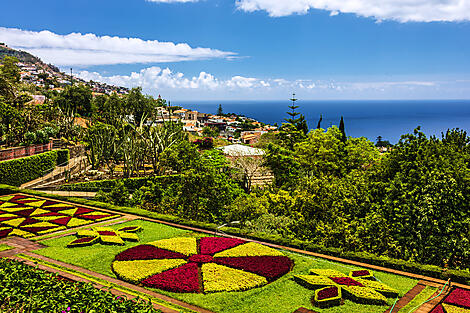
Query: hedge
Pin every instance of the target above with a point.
(109, 184)
(19, 171)
(29, 289)
(460, 276)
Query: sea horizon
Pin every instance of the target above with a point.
(389, 119)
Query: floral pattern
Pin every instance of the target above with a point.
(208, 264)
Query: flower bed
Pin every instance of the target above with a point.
(27, 217)
(346, 281)
(327, 297)
(245, 268)
(366, 274)
(459, 297)
(364, 295)
(105, 235)
(360, 290)
(438, 309)
(454, 309)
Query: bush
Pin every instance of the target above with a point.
(19, 171)
(37, 291)
(107, 185)
(63, 157)
(29, 138)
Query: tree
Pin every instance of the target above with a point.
(139, 106)
(161, 138)
(220, 112)
(319, 122)
(341, 129)
(76, 99)
(210, 132)
(293, 114)
(10, 70)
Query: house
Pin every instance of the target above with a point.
(251, 137)
(237, 150)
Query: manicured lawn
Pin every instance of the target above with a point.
(4, 247)
(282, 296)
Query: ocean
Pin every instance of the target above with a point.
(370, 119)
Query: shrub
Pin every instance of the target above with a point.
(63, 157)
(19, 171)
(39, 291)
(29, 138)
(110, 184)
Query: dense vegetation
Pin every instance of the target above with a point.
(335, 191)
(411, 203)
(28, 289)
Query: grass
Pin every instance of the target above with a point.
(5, 247)
(282, 296)
(424, 295)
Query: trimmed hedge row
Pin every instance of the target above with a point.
(109, 184)
(29, 289)
(461, 276)
(19, 171)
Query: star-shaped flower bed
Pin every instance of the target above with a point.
(208, 264)
(331, 286)
(27, 216)
(105, 235)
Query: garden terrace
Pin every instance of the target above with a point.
(245, 269)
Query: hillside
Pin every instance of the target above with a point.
(27, 58)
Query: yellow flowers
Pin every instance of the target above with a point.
(222, 278)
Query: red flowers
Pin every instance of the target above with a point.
(201, 258)
(438, 309)
(271, 267)
(212, 245)
(327, 293)
(180, 279)
(460, 297)
(147, 252)
(360, 273)
(347, 281)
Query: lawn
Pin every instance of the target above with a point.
(283, 295)
(4, 247)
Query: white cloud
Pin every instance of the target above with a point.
(90, 49)
(399, 10)
(156, 80)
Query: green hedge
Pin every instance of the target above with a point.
(460, 276)
(35, 290)
(63, 157)
(109, 184)
(19, 171)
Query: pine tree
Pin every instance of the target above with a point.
(220, 112)
(319, 122)
(341, 128)
(293, 115)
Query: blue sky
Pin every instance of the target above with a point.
(254, 49)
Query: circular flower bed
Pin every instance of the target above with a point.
(209, 264)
